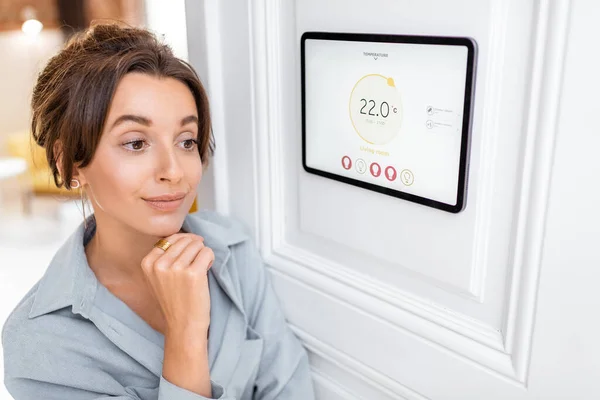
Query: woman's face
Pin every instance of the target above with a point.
(147, 149)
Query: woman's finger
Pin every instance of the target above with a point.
(187, 255)
(178, 242)
(203, 260)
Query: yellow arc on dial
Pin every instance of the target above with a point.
(376, 109)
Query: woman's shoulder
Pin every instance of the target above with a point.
(19, 316)
(22, 325)
(60, 352)
(29, 342)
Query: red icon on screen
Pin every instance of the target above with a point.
(375, 169)
(390, 173)
(346, 162)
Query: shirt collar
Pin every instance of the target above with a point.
(69, 280)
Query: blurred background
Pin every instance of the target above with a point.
(35, 216)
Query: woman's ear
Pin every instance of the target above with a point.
(76, 172)
(79, 175)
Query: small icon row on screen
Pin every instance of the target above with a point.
(376, 170)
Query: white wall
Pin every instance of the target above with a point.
(395, 300)
(168, 18)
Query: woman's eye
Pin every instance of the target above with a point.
(139, 145)
(189, 144)
(135, 145)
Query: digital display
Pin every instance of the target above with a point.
(389, 113)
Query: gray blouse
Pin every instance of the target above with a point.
(71, 338)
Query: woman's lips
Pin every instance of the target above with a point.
(165, 205)
(167, 196)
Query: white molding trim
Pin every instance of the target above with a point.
(356, 368)
(265, 66)
(546, 80)
(319, 379)
(506, 357)
(491, 126)
(216, 92)
(496, 361)
(391, 304)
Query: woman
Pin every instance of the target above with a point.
(143, 301)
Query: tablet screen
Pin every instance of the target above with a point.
(389, 113)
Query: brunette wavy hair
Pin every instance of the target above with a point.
(73, 93)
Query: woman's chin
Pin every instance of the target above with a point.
(164, 225)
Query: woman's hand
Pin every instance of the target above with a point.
(178, 278)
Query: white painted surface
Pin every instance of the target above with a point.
(167, 19)
(399, 301)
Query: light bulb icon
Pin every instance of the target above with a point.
(390, 173)
(361, 166)
(346, 162)
(408, 178)
(375, 169)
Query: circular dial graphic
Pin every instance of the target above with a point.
(376, 109)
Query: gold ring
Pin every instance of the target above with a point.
(163, 244)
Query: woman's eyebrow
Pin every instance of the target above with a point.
(189, 119)
(147, 121)
(133, 118)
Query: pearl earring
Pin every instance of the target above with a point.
(75, 184)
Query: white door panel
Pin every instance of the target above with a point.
(392, 299)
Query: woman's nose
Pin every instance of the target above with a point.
(169, 166)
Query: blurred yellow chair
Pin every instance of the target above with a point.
(194, 206)
(21, 144)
